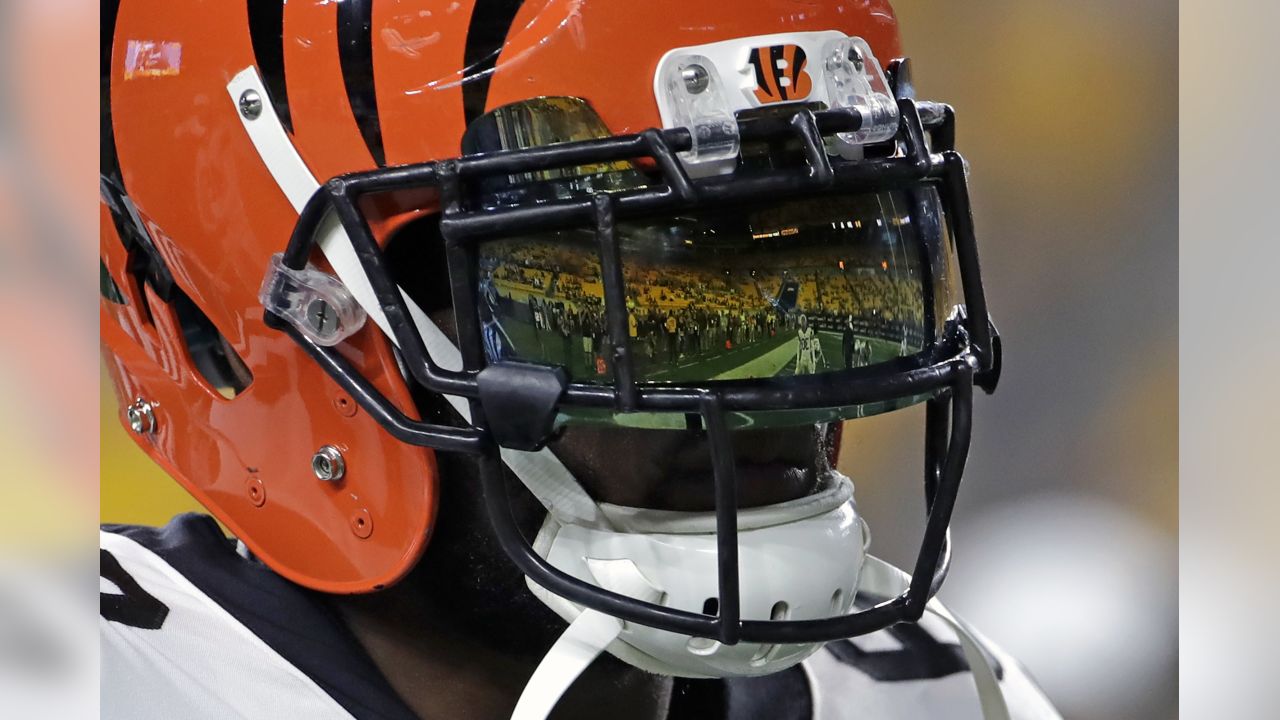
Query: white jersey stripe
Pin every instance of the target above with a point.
(201, 662)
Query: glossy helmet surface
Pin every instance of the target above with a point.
(375, 98)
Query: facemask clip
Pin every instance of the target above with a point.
(314, 302)
(697, 102)
(855, 80)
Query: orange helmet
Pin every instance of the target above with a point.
(261, 160)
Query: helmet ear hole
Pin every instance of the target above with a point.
(212, 355)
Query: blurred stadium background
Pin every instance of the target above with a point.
(1066, 532)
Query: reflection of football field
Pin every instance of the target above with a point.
(547, 344)
(833, 352)
(775, 356)
(767, 358)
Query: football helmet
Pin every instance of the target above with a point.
(652, 215)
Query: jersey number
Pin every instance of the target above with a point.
(132, 606)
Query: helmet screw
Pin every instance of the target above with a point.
(328, 464)
(250, 104)
(321, 317)
(855, 57)
(142, 419)
(695, 78)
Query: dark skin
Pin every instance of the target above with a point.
(461, 635)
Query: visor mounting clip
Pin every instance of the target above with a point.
(520, 402)
(988, 377)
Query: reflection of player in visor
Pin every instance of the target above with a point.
(857, 351)
(808, 350)
(494, 344)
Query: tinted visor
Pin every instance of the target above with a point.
(799, 288)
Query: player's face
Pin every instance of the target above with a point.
(671, 470)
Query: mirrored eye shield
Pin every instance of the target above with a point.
(462, 228)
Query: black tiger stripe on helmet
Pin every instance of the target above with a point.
(266, 32)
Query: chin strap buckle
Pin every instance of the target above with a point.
(520, 401)
(989, 378)
(986, 374)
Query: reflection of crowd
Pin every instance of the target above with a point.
(516, 275)
(867, 294)
(676, 313)
(658, 336)
(671, 334)
(579, 329)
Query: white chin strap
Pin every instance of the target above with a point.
(659, 557)
(576, 649)
(882, 580)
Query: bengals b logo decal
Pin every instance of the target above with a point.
(780, 74)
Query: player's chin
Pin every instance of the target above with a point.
(758, 484)
(669, 470)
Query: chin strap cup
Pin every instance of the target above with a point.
(592, 632)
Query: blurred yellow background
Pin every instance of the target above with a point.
(134, 489)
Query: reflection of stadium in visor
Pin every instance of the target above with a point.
(798, 288)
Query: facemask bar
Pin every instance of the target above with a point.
(949, 378)
(932, 564)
